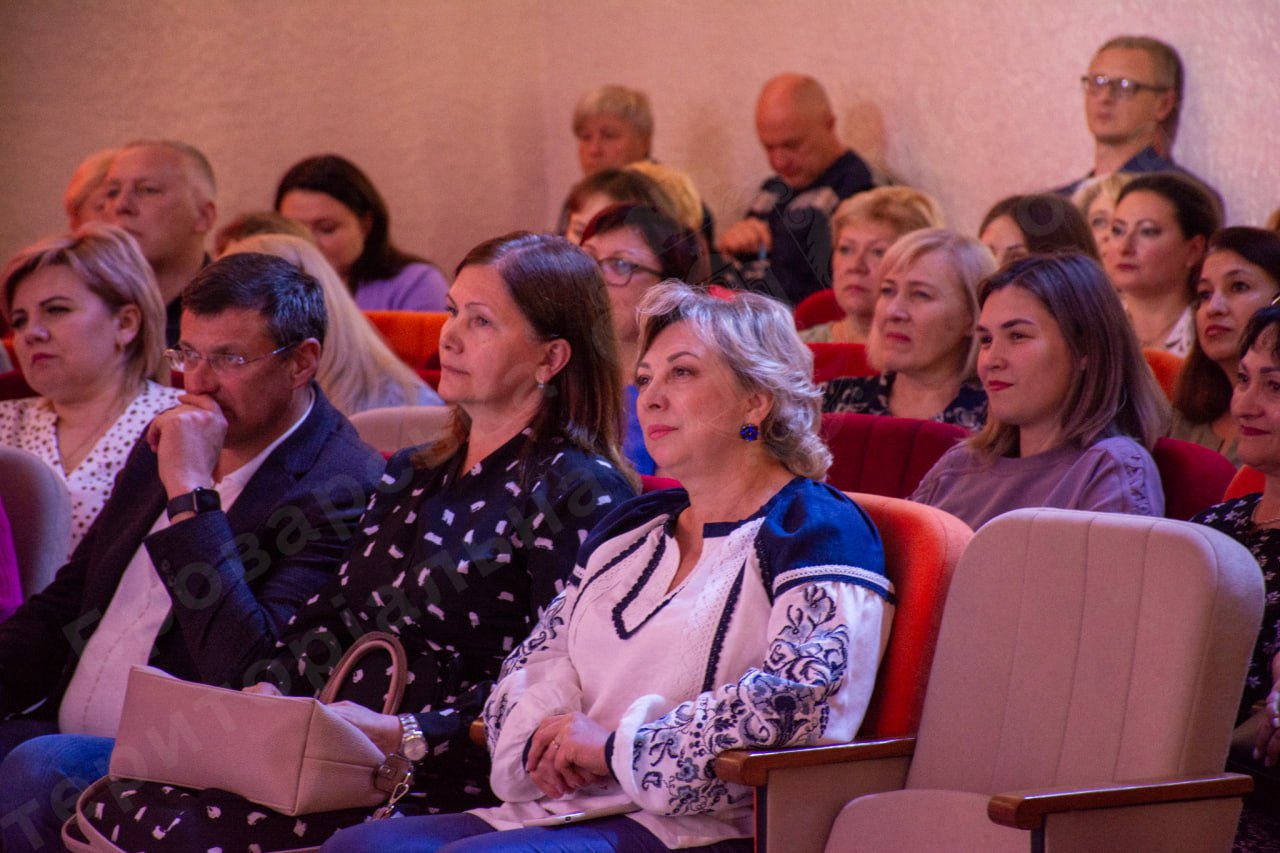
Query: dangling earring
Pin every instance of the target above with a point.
(749, 432)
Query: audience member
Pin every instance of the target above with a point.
(1132, 103)
(1159, 230)
(235, 510)
(86, 196)
(605, 189)
(357, 370)
(614, 127)
(259, 222)
(682, 618)
(351, 225)
(1072, 405)
(88, 327)
(863, 228)
(1254, 520)
(163, 193)
(486, 522)
(1038, 224)
(788, 224)
(636, 247)
(1096, 201)
(1240, 274)
(922, 336)
(686, 203)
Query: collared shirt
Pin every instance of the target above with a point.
(94, 699)
(1146, 160)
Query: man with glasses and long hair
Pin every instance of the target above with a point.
(1132, 102)
(232, 510)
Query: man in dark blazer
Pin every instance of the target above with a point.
(233, 510)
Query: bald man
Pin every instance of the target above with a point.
(786, 235)
(162, 192)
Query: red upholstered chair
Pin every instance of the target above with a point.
(1246, 481)
(650, 483)
(818, 308)
(1194, 477)
(1166, 366)
(413, 335)
(922, 546)
(884, 455)
(833, 360)
(13, 386)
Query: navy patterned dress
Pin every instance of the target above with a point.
(1235, 518)
(869, 395)
(459, 565)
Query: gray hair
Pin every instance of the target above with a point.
(630, 105)
(756, 337)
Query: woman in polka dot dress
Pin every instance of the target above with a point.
(460, 549)
(88, 329)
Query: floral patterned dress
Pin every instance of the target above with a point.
(869, 395)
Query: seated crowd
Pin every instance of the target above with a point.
(534, 590)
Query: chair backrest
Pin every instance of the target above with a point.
(884, 455)
(1193, 476)
(413, 335)
(921, 548)
(39, 509)
(387, 430)
(1082, 648)
(818, 308)
(1166, 366)
(834, 360)
(1246, 481)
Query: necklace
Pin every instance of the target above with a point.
(89, 440)
(1158, 341)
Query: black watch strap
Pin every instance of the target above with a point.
(197, 500)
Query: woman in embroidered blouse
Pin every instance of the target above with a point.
(769, 583)
(922, 339)
(1159, 230)
(863, 228)
(1254, 521)
(1240, 274)
(88, 324)
(1073, 407)
(466, 540)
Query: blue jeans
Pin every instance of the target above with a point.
(40, 780)
(464, 833)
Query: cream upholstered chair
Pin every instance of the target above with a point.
(39, 509)
(1087, 676)
(387, 430)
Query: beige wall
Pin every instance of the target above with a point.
(459, 108)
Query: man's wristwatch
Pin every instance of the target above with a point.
(198, 500)
(413, 745)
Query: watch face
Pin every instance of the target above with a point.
(415, 749)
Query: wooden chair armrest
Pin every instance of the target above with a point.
(1027, 809)
(752, 767)
(477, 733)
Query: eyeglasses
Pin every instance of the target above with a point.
(219, 362)
(1119, 87)
(618, 271)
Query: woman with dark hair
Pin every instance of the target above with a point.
(1254, 521)
(636, 247)
(351, 225)
(1038, 224)
(1072, 406)
(462, 547)
(747, 609)
(606, 188)
(1240, 274)
(1161, 225)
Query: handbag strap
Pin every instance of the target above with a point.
(371, 642)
